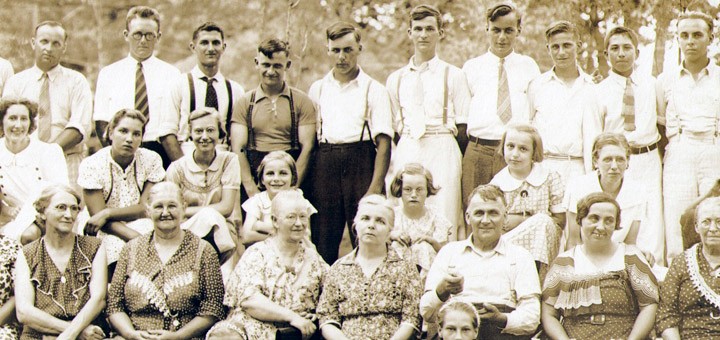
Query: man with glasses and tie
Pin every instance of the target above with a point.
(498, 82)
(431, 99)
(628, 107)
(203, 86)
(139, 81)
(63, 95)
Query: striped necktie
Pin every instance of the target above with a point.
(628, 108)
(141, 99)
(504, 108)
(44, 109)
(210, 96)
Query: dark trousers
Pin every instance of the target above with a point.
(479, 165)
(157, 147)
(492, 331)
(340, 176)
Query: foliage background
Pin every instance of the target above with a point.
(95, 31)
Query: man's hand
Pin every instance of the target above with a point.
(452, 283)
(491, 313)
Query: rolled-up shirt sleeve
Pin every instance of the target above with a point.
(430, 302)
(526, 316)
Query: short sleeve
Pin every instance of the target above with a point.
(211, 285)
(173, 172)
(557, 191)
(441, 227)
(247, 278)
(328, 309)
(668, 315)
(55, 166)
(231, 172)
(93, 171)
(252, 207)
(240, 108)
(116, 293)
(642, 280)
(306, 109)
(380, 110)
(569, 201)
(151, 166)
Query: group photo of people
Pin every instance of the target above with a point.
(488, 200)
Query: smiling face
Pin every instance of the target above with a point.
(458, 325)
(414, 190)
(166, 209)
(373, 224)
(61, 212)
(622, 54)
(425, 35)
(126, 137)
(518, 150)
(276, 176)
(145, 29)
(204, 132)
(487, 219)
(49, 46)
(503, 32)
(272, 70)
(291, 219)
(600, 223)
(612, 162)
(344, 52)
(208, 48)
(694, 39)
(16, 123)
(563, 50)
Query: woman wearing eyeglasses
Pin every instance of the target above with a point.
(610, 153)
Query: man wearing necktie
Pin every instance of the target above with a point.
(63, 95)
(498, 81)
(139, 81)
(203, 86)
(628, 106)
(430, 99)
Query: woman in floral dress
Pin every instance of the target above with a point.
(8, 254)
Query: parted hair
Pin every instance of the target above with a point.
(31, 106)
(42, 202)
(609, 138)
(277, 156)
(208, 27)
(584, 204)
(413, 169)
(341, 29)
(698, 15)
(204, 112)
(143, 12)
(500, 10)
(423, 11)
(124, 113)
(273, 45)
(621, 30)
(703, 203)
(562, 26)
(538, 152)
(459, 306)
(378, 201)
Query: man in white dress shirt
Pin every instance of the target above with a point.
(627, 101)
(139, 81)
(63, 95)
(208, 46)
(6, 71)
(498, 82)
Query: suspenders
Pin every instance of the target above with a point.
(446, 89)
(366, 114)
(294, 139)
(228, 118)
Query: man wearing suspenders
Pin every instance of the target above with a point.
(431, 98)
(354, 129)
(203, 86)
(274, 116)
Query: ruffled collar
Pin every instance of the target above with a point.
(692, 257)
(537, 177)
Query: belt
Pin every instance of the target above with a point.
(552, 155)
(364, 143)
(486, 142)
(643, 149)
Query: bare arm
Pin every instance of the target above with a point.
(551, 323)
(559, 219)
(260, 307)
(239, 145)
(404, 332)
(573, 231)
(7, 311)
(27, 313)
(306, 134)
(254, 230)
(68, 138)
(197, 327)
(96, 303)
(330, 331)
(382, 161)
(671, 334)
(100, 126)
(644, 322)
(462, 137)
(172, 146)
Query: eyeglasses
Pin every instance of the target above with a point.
(708, 222)
(63, 207)
(149, 36)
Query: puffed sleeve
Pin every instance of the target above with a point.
(211, 285)
(231, 173)
(116, 293)
(252, 207)
(247, 278)
(328, 309)
(92, 173)
(412, 290)
(442, 227)
(150, 165)
(173, 172)
(642, 280)
(668, 315)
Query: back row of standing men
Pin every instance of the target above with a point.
(448, 119)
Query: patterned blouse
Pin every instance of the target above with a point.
(541, 192)
(432, 224)
(374, 307)
(199, 186)
(166, 296)
(260, 271)
(61, 295)
(8, 254)
(690, 297)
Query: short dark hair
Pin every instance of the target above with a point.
(273, 45)
(423, 11)
(562, 26)
(31, 106)
(51, 23)
(413, 169)
(488, 192)
(142, 12)
(207, 111)
(698, 15)
(208, 27)
(500, 10)
(124, 113)
(621, 30)
(341, 29)
(585, 203)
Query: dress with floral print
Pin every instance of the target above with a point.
(432, 224)
(8, 254)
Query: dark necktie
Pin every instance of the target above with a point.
(210, 96)
(141, 99)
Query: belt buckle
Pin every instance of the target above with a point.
(597, 319)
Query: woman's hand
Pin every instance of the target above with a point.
(306, 326)
(431, 240)
(97, 221)
(401, 237)
(161, 334)
(91, 332)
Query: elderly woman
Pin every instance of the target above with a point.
(167, 284)
(690, 293)
(61, 278)
(610, 157)
(116, 180)
(210, 183)
(602, 289)
(371, 293)
(277, 282)
(8, 255)
(27, 165)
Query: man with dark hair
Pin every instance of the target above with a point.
(354, 134)
(687, 105)
(274, 116)
(138, 81)
(431, 99)
(563, 106)
(498, 82)
(628, 107)
(63, 95)
(203, 86)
